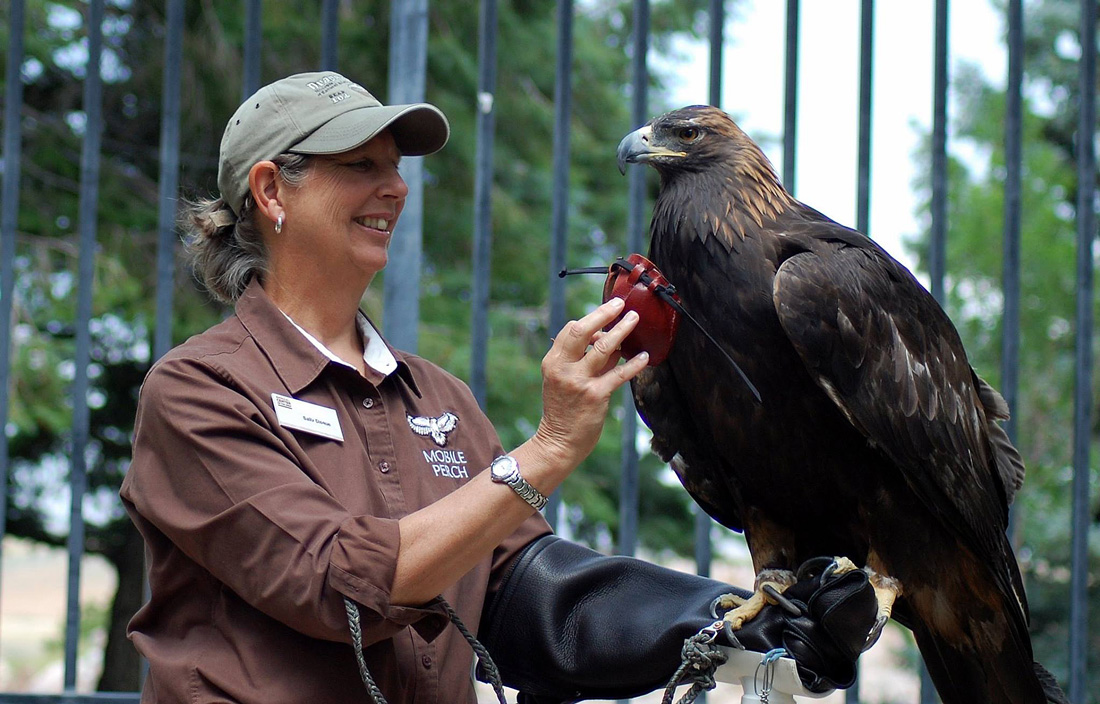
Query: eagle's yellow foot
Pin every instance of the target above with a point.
(887, 590)
(747, 609)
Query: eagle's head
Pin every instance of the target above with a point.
(688, 140)
(714, 178)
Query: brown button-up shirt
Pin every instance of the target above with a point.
(256, 530)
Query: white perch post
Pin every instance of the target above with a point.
(744, 668)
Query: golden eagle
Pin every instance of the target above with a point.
(874, 440)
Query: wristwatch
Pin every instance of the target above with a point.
(505, 470)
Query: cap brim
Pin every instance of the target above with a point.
(417, 129)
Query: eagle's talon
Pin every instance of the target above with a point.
(875, 632)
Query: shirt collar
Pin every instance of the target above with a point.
(375, 353)
(296, 359)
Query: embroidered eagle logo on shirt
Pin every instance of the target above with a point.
(436, 428)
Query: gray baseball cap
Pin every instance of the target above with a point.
(317, 113)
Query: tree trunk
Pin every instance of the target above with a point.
(121, 663)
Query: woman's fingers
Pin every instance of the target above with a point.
(577, 335)
(606, 344)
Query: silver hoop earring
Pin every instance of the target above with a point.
(279, 223)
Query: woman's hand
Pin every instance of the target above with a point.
(580, 373)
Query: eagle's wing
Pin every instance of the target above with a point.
(885, 352)
(420, 425)
(661, 405)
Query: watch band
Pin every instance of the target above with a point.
(505, 470)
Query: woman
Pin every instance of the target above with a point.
(278, 466)
(288, 463)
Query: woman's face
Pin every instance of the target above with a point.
(343, 213)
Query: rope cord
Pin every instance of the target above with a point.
(485, 661)
(357, 643)
(700, 658)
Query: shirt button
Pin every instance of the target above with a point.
(383, 466)
(426, 661)
(368, 402)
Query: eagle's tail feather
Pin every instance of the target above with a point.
(1054, 693)
(1006, 676)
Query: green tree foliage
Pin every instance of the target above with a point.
(1044, 410)
(53, 124)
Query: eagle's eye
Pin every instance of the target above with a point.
(689, 134)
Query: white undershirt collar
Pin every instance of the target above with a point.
(375, 352)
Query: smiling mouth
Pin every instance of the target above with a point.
(374, 223)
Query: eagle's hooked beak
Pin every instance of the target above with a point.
(638, 147)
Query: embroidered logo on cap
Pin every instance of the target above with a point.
(436, 428)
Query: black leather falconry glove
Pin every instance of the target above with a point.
(569, 623)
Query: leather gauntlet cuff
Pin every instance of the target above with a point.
(569, 623)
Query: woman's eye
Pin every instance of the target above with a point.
(689, 134)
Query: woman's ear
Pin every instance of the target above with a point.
(264, 182)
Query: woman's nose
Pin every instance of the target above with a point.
(395, 186)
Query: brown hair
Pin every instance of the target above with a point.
(227, 250)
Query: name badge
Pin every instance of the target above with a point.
(307, 417)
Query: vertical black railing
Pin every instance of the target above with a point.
(9, 221)
(937, 260)
(168, 183)
(407, 84)
(253, 33)
(559, 206)
(790, 98)
(330, 30)
(866, 87)
(483, 210)
(704, 551)
(863, 160)
(88, 205)
(1082, 386)
(635, 228)
(1010, 276)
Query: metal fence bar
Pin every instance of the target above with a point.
(1082, 387)
(330, 30)
(407, 79)
(635, 227)
(790, 99)
(704, 524)
(716, 13)
(88, 207)
(938, 248)
(1010, 271)
(168, 183)
(863, 167)
(866, 88)
(483, 204)
(253, 32)
(559, 213)
(9, 221)
(937, 266)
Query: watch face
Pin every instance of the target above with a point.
(504, 468)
